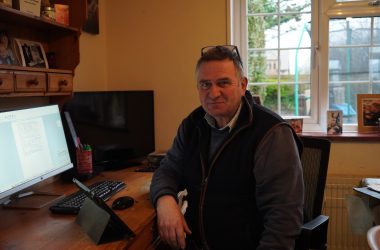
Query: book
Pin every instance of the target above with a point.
(62, 13)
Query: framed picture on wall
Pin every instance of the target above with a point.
(31, 54)
(91, 23)
(368, 112)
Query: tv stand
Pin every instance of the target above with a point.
(31, 200)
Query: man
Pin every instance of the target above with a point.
(239, 163)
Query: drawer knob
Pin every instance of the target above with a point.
(1, 81)
(63, 83)
(32, 81)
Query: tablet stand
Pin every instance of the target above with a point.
(101, 223)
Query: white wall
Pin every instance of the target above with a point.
(91, 73)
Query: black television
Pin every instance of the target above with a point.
(118, 125)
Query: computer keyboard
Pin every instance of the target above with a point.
(103, 189)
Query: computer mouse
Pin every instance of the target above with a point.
(123, 202)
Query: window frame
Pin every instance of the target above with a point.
(322, 12)
(332, 9)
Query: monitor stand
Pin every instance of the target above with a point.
(31, 200)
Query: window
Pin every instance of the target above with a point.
(354, 62)
(302, 62)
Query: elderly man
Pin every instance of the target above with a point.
(239, 163)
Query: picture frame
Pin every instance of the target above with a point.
(368, 109)
(91, 23)
(334, 122)
(7, 55)
(31, 54)
(296, 124)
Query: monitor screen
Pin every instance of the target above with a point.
(33, 148)
(118, 125)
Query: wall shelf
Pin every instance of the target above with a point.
(58, 39)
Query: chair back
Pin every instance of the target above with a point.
(315, 159)
(373, 237)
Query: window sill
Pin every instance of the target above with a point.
(345, 136)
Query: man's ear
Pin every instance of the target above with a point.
(244, 83)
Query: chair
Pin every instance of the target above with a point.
(314, 159)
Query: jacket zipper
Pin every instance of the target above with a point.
(205, 182)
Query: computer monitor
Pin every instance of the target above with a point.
(118, 125)
(32, 148)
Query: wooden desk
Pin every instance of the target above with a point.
(41, 229)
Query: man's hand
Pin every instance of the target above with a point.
(171, 222)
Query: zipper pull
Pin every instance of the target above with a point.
(204, 182)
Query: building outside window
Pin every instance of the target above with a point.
(306, 57)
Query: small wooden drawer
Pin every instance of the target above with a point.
(6, 82)
(60, 82)
(30, 82)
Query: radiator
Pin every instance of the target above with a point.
(340, 236)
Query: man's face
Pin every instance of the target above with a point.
(220, 103)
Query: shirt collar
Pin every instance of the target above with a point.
(212, 122)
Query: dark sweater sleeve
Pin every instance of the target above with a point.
(279, 189)
(167, 177)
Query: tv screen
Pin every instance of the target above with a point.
(118, 125)
(33, 148)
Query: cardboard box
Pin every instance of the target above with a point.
(62, 13)
(32, 7)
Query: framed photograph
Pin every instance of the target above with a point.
(6, 49)
(296, 124)
(368, 110)
(334, 122)
(32, 54)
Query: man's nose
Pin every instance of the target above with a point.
(214, 90)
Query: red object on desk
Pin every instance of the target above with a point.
(84, 160)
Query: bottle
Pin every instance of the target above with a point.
(48, 13)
